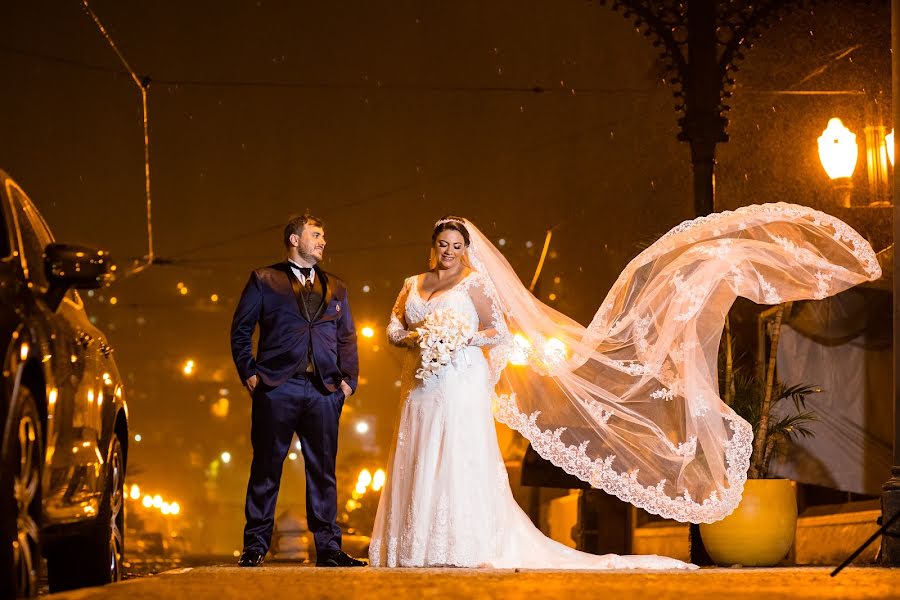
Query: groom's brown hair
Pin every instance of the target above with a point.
(296, 224)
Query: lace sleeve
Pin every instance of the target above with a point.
(397, 331)
(493, 329)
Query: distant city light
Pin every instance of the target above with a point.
(365, 478)
(174, 508)
(214, 297)
(226, 457)
(297, 445)
(113, 300)
(552, 296)
(529, 244)
(219, 408)
(366, 289)
(183, 291)
(292, 456)
(501, 242)
(137, 437)
(188, 368)
(135, 492)
(157, 501)
(148, 501)
(367, 332)
(362, 427)
(378, 480)
(557, 279)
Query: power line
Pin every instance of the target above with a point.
(325, 85)
(183, 262)
(62, 60)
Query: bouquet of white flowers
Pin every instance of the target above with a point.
(443, 332)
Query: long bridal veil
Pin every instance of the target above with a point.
(630, 404)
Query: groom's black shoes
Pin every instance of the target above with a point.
(251, 558)
(338, 559)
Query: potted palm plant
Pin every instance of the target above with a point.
(761, 530)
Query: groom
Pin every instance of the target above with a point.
(305, 366)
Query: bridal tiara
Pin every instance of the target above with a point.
(451, 220)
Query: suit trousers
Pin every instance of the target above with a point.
(301, 405)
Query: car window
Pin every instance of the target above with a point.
(5, 249)
(35, 236)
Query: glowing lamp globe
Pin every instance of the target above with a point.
(521, 350)
(889, 142)
(838, 150)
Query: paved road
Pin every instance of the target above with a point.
(287, 581)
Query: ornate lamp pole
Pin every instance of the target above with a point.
(700, 43)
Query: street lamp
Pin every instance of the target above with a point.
(555, 351)
(521, 350)
(838, 152)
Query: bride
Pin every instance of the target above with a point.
(628, 404)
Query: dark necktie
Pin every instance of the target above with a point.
(305, 271)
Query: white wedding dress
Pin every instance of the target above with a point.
(629, 404)
(447, 500)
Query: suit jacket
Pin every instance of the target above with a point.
(285, 332)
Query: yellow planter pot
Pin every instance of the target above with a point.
(760, 532)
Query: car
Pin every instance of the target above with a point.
(63, 416)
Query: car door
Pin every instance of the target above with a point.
(72, 469)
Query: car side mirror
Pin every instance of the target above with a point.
(80, 267)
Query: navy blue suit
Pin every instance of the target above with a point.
(288, 400)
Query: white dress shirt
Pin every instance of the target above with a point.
(295, 269)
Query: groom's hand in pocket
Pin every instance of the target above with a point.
(251, 383)
(346, 389)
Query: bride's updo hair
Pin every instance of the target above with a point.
(457, 224)
(451, 222)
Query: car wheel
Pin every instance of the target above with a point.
(96, 560)
(21, 493)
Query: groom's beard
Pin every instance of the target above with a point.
(312, 259)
